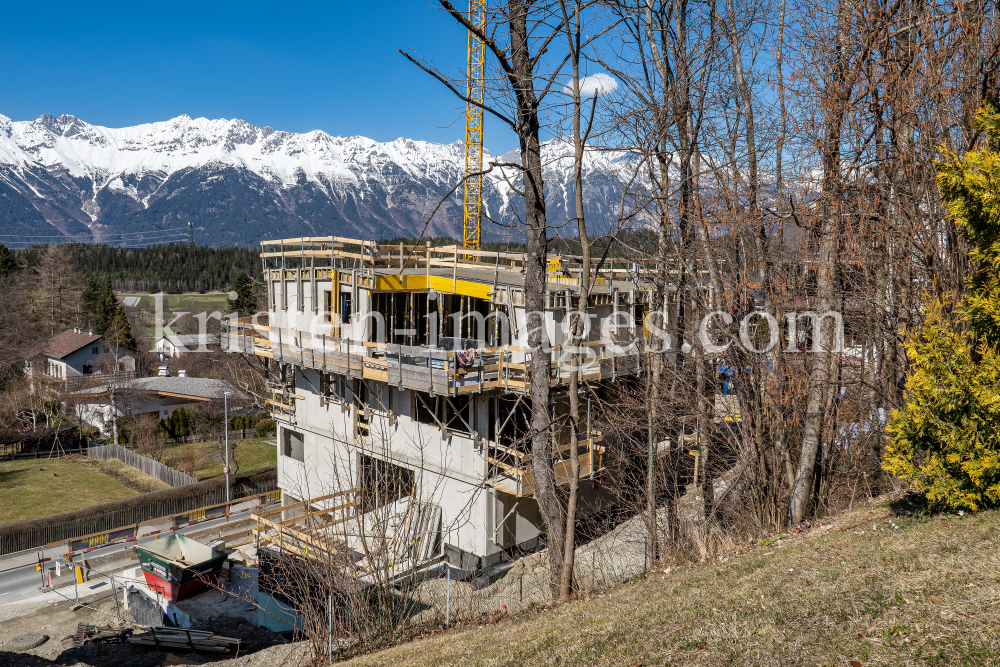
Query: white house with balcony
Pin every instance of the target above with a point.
(73, 354)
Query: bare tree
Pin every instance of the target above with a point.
(58, 288)
(522, 34)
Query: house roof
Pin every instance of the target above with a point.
(64, 344)
(185, 340)
(195, 388)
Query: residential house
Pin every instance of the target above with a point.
(156, 396)
(72, 354)
(174, 345)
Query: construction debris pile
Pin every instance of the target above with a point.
(99, 634)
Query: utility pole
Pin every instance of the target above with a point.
(225, 408)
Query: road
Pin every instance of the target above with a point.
(19, 579)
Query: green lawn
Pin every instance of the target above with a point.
(251, 454)
(175, 302)
(33, 488)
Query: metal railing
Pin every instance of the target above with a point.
(429, 369)
(142, 512)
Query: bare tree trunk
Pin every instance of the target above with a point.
(837, 99)
(577, 323)
(535, 286)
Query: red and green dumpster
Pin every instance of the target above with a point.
(178, 566)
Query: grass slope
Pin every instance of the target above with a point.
(251, 454)
(32, 488)
(924, 593)
(131, 477)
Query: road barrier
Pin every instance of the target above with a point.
(86, 543)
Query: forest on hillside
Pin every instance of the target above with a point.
(172, 268)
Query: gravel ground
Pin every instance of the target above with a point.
(59, 622)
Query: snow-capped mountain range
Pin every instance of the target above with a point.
(64, 179)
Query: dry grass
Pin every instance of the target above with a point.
(924, 593)
(130, 477)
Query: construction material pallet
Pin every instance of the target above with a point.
(172, 639)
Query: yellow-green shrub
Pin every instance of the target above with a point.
(946, 439)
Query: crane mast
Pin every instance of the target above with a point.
(475, 91)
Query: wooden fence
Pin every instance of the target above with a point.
(78, 382)
(33, 537)
(44, 455)
(147, 465)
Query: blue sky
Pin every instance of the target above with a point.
(331, 66)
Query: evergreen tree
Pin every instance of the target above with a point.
(946, 438)
(119, 332)
(89, 298)
(8, 263)
(245, 304)
(104, 309)
(178, 424)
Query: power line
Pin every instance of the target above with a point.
(112, 236)
(20, 242)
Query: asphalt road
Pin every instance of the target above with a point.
(19, 579)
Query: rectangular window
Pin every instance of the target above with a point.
(333, 388)
(423, 404)
(327, 306)
(459, 414)
(454, 412)
(93, 350)
(292, 445)
(345, 307)
(514, 426)
(382, 482)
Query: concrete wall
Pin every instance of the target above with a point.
(448, 472)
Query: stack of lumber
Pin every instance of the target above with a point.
(172, 639)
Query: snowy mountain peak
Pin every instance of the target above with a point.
(238, 182)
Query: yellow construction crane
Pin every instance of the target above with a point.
(475, 91)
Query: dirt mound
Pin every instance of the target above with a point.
(26, 641)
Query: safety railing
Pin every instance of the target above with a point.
(432, 370)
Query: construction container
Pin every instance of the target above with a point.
(178, 566)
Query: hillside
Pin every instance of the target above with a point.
(857, 591)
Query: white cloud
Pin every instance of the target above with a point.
(595, 84)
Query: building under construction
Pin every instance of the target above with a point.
(403, 384)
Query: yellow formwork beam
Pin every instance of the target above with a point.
(439, 283)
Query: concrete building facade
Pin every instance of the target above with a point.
(403, 373)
